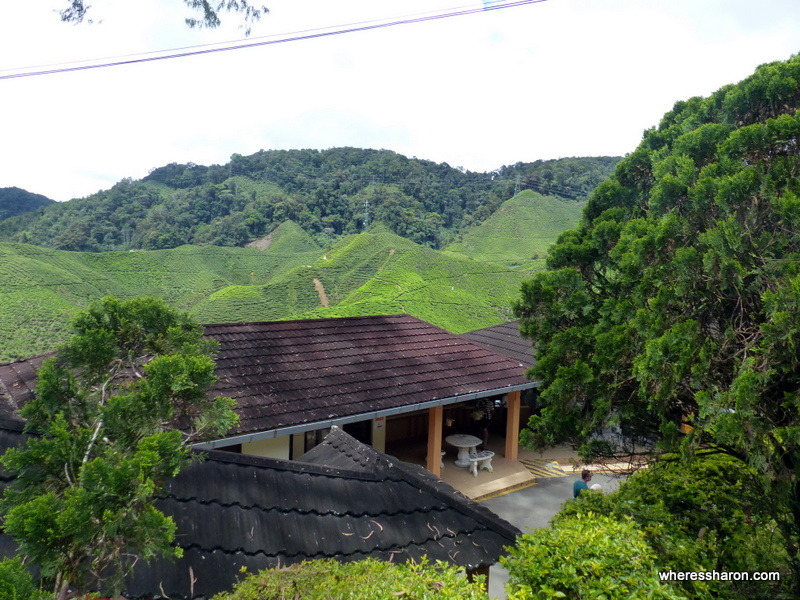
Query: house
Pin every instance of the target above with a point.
(239, 514)
(383, 379)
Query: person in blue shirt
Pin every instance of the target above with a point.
(582, 483)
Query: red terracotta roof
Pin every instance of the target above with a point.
(287, 373)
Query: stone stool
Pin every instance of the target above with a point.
(482, 460)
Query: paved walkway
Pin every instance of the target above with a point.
(532, 508)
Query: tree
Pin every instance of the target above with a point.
(209, 10)
(370, 579)
(676, 302)
(584, 556)
(110, 423)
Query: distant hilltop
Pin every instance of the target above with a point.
(15, 201)
(328, 193)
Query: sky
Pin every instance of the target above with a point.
(551, 79)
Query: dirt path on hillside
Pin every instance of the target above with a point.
(261, 243)
(323, 297)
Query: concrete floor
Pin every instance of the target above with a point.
(507, 474)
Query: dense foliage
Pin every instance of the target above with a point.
(585, 556)
(15, 201)
(16, 582)
(711, 515)
(677, 299)
(328, 193)
(111, 421)
(369, 579)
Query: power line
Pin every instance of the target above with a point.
(279, 39)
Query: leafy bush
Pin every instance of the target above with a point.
(707, 515)
(585, 556)
(369, 579)
(16, 582)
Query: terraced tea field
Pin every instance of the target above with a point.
(520, 232)
(365, 274)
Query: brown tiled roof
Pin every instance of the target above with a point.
(287, 373)
(17, 382)
(504, 339)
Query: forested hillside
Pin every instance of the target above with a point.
(327, 193)
(14, 201)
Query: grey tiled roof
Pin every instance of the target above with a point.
(347, 502)
(235, 511)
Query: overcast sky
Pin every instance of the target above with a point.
(546, 80)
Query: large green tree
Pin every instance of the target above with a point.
(110, 423)
(677, 299)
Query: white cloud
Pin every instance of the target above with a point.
(558, 78)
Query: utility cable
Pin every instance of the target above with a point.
(280, 39)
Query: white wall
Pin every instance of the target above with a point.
(271, 447)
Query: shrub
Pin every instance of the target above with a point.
(16, 582)
(710, 514)
(585, 556)
(369, 579)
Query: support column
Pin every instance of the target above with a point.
(512, 425)
(435, 422)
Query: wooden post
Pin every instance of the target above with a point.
(435, 422)
(512, 425)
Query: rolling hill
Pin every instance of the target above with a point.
(41, 289)
(519, 233)
(368, 273)
(376, 273)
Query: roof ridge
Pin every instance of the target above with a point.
(406, 472)
(265, 462)
(317, 320)
(300, 511)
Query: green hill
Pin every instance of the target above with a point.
(15, 201)
(329, 193)
(291, 277)
(41, 289)
(454, 293)
(376, 273)
(520, 232)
